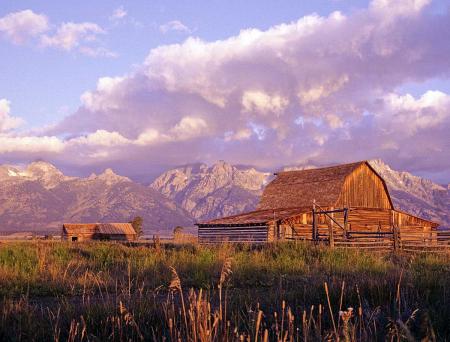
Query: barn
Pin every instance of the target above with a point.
(98, 231)
(337, 204)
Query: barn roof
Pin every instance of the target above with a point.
(116, 228)
(257, 217)
(99, 228)
(80, 228)
(300, 188)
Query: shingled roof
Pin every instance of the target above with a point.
(300, 188)
(100, 228)
(257, 217)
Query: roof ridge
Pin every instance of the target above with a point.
(325, 167)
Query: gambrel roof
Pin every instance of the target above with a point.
(300, 188)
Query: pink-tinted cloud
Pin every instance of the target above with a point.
(20, 27)
(23, 25)
(321, 89)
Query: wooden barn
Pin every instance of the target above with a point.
(335, 204)
(98, 231)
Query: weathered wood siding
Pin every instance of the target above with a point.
(359, 220)
(404, 219)
(79, 237)
(364, 188)
(366, 219)
(238, 233)
(87, 236)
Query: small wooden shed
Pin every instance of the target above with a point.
(325, 203)
(98, 231)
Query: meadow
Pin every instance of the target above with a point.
(57, 291)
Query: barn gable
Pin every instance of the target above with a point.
(350, 185)
(365, 188)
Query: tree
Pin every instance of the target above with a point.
(137, 225)
(178, 232)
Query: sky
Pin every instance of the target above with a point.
(141, 86)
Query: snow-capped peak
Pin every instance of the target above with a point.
(110, 177)
(45, 173)
(42, 168)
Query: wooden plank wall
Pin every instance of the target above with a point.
(359, 220)
(79, 236)
(221, 234)
(366, 219)
(364, 188)
(404, 219)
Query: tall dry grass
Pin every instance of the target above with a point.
(283, 292)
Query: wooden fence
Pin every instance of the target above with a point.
(407, 239)
(376, 237)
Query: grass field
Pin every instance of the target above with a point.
(287, 291)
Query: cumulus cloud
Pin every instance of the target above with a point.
(18, 27)
(408, 115)
(71, 35)
(21, 26)
(30, 144)
(176, 26)
(261, 102)
(321, 89)
(7, 122)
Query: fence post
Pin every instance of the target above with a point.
(346, 223)
(314, 230)
(395, 236)
(394, 231)
(330, 230)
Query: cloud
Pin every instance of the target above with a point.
(320, 89)
(70, 35)
(118, 14)
(189, 127)
(176, 26)
(30, 144)
(98, 51)
(19, 27)
(7, 122)
(259, 101)
(408, 115)
(22, 26)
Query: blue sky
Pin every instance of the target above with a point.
(189, 69)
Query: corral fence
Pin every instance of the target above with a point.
(432, 241)
(338, 234)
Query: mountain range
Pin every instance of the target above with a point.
(39, 197)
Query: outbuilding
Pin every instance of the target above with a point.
(98, 231)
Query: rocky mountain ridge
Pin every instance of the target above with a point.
(219, 190)
(416, 195)
(40, 197)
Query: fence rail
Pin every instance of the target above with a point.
(396, 239)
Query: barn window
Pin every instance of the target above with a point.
(74, 238)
